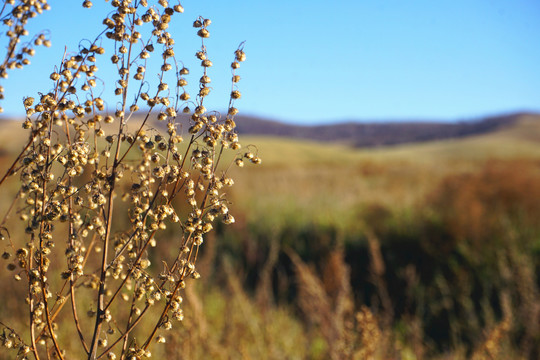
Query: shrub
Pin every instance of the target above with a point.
(98, 190)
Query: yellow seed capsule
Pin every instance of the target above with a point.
(228, 219)
(163, 86)
(204, 91)
(87, 4)
(199, 110)
(203, 33)
(236, 94)
(29, 101)
(160, 339)
(240, 55)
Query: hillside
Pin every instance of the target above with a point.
(374, 134)
(306, 180)
(356, 134)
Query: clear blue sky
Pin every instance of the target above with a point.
(319, 61)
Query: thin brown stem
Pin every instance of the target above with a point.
(31, 311)
(101, 291)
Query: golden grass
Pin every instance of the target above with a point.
(305, 181)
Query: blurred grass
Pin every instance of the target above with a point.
(303, 181)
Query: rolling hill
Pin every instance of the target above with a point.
(358, 134)
(375, 134)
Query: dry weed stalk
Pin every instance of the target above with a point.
(370, 335)
(378, 269)
(328, 305)
(75, 171)
(491, 347)
(15, 16)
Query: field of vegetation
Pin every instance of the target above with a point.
(420, 251)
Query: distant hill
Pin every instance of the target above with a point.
(358, 134)
(374, 134)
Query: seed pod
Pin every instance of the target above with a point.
(28, 101)
(204, 91)
(203, 33)
(240, 55)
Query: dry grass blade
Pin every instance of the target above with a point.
(327, 306)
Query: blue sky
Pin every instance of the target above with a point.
(318, 61)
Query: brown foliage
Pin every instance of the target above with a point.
(484, 206)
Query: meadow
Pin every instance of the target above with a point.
(418, 251)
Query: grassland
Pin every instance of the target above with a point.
(427, 250)
(311, 181)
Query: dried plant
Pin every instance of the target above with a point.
(370, 334)
(491, 347)
(15, 16)
(327, 305)
(98, 191)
